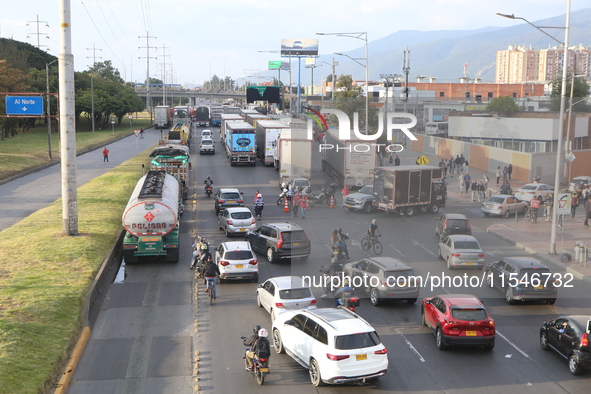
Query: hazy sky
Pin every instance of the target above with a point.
(223, 36)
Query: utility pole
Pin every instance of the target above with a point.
(406, 70)
(67, 124)
(93, 49)
(48, 106)
(164, 55)
(148, 101)
(37, 21)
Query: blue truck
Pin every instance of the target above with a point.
(240, 143)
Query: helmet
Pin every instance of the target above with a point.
(204, 247)
(335, 230)
(263, 333)
(339, 230)
(373, 221)
(256, 329)
(208, 177)
(283, 185)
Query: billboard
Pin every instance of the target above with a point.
(278, 65)
(299, 47)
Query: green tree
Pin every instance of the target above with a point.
(12, 80)
(106, 70)
(580, 93)
(348, 98)
(504, 104)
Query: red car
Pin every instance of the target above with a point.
(458, 320)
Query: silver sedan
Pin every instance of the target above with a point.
(503, 205)
(461, 251)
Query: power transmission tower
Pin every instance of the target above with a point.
(93, 49)
(406, 70)
(37, 33)
(148, 47)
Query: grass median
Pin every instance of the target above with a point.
(45, 275)
(29, 150)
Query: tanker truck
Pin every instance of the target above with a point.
(151, 218)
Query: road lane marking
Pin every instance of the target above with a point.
(412, 348)
(399, 252)
(524, 354)
(417, 243)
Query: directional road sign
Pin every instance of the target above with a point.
(24, 105)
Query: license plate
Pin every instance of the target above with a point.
(360, 357)
(539, 287)
(349, 206)
(489, 206)
(230, 202)
(470, 333)
(242, 229)
(296, 244)
(264, 369)
(469, 263)
(239, 265)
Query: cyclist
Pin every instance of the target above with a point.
(534, 206)
(209, 272)
(374, 230)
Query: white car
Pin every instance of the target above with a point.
(461, 250)
(284, 293)
(206, 146)
(236, 260)
(531, 190)
(236, 220)
(206, 134)
(335, 344)
(579, 182)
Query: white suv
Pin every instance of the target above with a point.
(236, 261)
(336, 345)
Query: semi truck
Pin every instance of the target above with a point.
(350, 162)
(179, 134)
(174, 159)
(408, 189)
(293, 154)
(240, 143)
(216, 113)
(231, 110)
(267, 133)
(252, 119)
(162, 117)
(181, 114)
(151, 218)
(203, 115)
(225, 118)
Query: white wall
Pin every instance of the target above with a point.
(506, 128)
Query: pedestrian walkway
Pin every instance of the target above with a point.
(533, 238)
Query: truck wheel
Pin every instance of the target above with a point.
(434, 208)
(367, 208)
(409, 211)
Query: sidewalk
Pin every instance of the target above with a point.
(533, 238)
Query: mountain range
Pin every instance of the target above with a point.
(443, 53)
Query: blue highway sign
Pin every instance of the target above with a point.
(24, 105)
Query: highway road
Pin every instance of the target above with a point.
(156, 334)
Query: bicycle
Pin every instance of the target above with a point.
(371, 241)
(209, 289)
(533, 215)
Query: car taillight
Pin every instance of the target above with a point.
(280, 243)
(469, 227)
(230, 222)
(337, 357)
(480, 254)
(456, 254)
(253, 262)
(221, 201)
(584, 340)
(383, 351)
(500, 207)
(224, 263)
(279, 305)
(313, 302)
(253, 221)
(240, 201)
(532, 192)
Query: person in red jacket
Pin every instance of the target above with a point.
(105, 155)
(303, 204)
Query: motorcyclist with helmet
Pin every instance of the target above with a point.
(334, 269)
(344, 294)
(208, 182)
(259, 336)
(199, 242)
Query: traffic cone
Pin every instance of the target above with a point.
(286, 206)
(331, 201)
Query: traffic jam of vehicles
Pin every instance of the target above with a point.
(332, 339)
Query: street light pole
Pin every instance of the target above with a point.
(561, 116)
(359, 37)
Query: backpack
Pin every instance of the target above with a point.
(262, 348)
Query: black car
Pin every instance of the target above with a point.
(280, 241)
(569, 337)
(452, 223)
(522, 279)
(227, 197)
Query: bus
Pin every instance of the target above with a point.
(436, 128)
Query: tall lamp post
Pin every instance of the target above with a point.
(567, 149)
(363, 37)
(562, 113)
(334, 79)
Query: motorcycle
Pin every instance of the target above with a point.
(349, 303)
(323, 196)
(208, 191)
(260, 367)
(282, 197)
